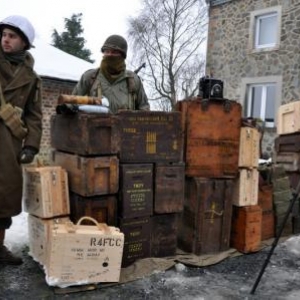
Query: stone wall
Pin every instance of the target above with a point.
(52, 88)
(229, 56)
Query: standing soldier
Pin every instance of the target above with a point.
(20, 119)
(123, 88)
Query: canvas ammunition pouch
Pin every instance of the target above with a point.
(12, 118)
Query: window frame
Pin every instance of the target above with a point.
(261, 81)
(255, 17)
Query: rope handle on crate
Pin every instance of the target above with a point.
(101, 226)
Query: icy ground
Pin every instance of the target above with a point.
(231, 279)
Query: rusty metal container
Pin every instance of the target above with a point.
(137, 232)
(164, 235)
(101, 208)
(204, 226)
(212, 137)
(168, 188)
(85, 134)
(89, 176)
(150, 136)
(136, 190)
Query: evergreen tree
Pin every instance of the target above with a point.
(71, 41)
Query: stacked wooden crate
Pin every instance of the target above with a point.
(247, 214)
(151, 183)
(211, 148)
(71, 254)
(287, 155)
(86, 145)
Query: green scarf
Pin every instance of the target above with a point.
(16, 57)
(112, 67)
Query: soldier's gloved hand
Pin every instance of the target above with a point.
(27, 154)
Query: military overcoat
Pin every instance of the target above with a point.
(21, 87)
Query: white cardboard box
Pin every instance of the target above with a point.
(84, 254)
(46, 191)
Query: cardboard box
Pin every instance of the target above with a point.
(46, 192)
(39, 231)
(83, 254)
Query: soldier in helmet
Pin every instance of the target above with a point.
(20, 119)
(123, 88)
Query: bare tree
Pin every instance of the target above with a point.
(168, 35)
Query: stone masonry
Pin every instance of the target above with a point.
(230, 58)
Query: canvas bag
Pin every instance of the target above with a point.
(12, 117)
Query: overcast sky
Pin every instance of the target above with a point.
(100, 19)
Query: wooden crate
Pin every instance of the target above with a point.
(249, 147)
(246, 188)
(212, 138)
(246, 228)
(137, 232)
(89, 176)
(39, 231)
(46, 193)
(168, 188)
(101, 208)
(287, 143)
(136, 190)
(267, 225)
(164, 235)
(85, 134)
(204, 225)
(290, 161)
(265, 197)
(83, 254)
(154, 136)
(288, 118)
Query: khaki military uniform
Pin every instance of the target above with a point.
(127, 92)
(20, 86)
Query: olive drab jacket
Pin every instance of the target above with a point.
(21, 87)
(127, 92)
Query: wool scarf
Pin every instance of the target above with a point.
(112, 67)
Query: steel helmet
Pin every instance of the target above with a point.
(22, 26)
(116, 42)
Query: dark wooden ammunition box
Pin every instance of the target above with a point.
(246, 228)
(204, 226)
(136, 190)
(265, 197)
(150, 136)
(164, 235)
(212, 137)
(169, 188)
(89, 176)
(290, 161)
(85, 134)
(288, 143)
(267, 225)
(102, 208)
(137, 233)
(296, 225)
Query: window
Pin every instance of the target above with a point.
(261, 102)
(265, 29)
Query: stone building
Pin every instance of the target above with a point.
(253, 46)
(59, 72)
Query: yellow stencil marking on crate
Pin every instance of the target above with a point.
(214, 212)
(151, 142)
